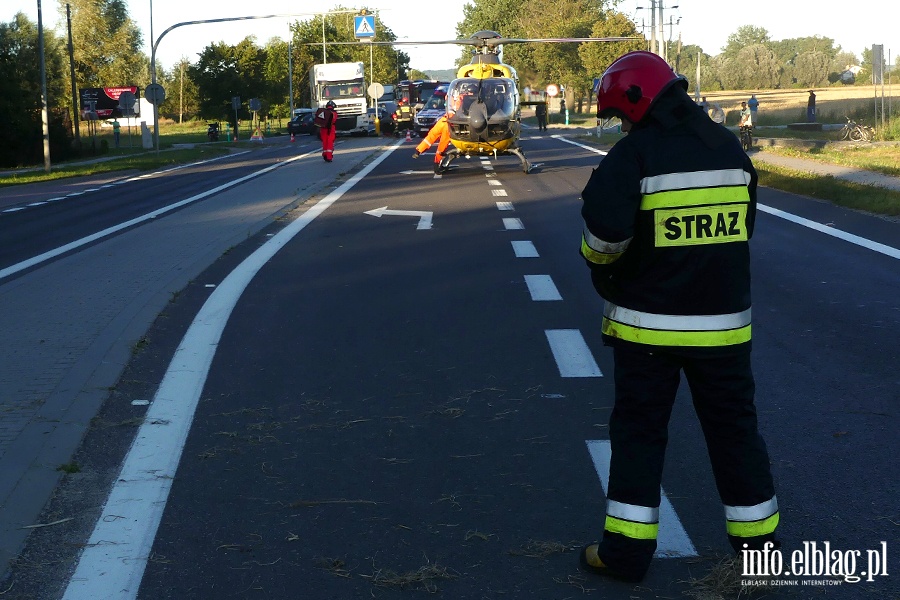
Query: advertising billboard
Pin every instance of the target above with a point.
(104, 102)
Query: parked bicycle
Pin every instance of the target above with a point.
(856, 132)
(746, 137)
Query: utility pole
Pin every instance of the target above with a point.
(653, 46)
(663, 50)
(45, 119)
(291, 78)
(72, 78)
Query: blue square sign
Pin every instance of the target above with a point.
(364, 26)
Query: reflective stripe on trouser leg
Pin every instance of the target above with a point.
(645, 391)
(637, 522)
(723, 392)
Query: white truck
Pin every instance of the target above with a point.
(345, 85)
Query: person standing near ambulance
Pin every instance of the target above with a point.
(326, 120)
(668, 214)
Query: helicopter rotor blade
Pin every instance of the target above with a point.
(480, 42)
(501, 41)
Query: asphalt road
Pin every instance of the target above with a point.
(395, 407)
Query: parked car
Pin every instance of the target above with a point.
(302, 123)
(433, 109)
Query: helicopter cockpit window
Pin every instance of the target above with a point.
(495, 97)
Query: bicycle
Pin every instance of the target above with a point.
(856, 132)
(746, 137)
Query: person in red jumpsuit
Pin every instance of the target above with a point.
(326, 121)
(439, 132)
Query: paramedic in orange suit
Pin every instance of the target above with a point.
(440, 130)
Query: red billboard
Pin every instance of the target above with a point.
(105, 102)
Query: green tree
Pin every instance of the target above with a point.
(218, 80)
(20, 94)
(382, 62)
(597, 56)
(499, 16)
(811, 68)
(181, 92)
(106, 44)
(746, 35)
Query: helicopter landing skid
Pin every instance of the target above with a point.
(526, 164)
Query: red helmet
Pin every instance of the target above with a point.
(632, 83)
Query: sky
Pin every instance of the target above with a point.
(706, 23)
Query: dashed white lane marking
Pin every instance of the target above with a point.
(524, 249)
(505, 206)
(498, 192)
(36, 204)
(673, 540)
(16, 209)
(113, 561)
(542, 288)
(573, 357)
(512, 223)
(494, 182)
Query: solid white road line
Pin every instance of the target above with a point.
(542, 288)
(573, 357)
(36, 260)
(673, 540)
(113, 561)
(524, 249)
(842, 235)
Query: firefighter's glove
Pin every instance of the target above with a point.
(417, 154)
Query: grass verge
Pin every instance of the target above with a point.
(843, 193)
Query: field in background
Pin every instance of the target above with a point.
(781, 107)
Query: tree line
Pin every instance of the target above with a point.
(106, 52)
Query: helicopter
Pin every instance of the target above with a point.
(483, 101)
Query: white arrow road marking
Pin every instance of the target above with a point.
(424, 215)
(673, 540)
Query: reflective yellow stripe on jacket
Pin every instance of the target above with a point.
(600, 252)
(676, 330)
(698, 207)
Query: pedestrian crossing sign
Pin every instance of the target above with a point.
(364, 26)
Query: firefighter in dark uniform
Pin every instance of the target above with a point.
(667, 218)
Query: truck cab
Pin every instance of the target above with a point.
(344, 84)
